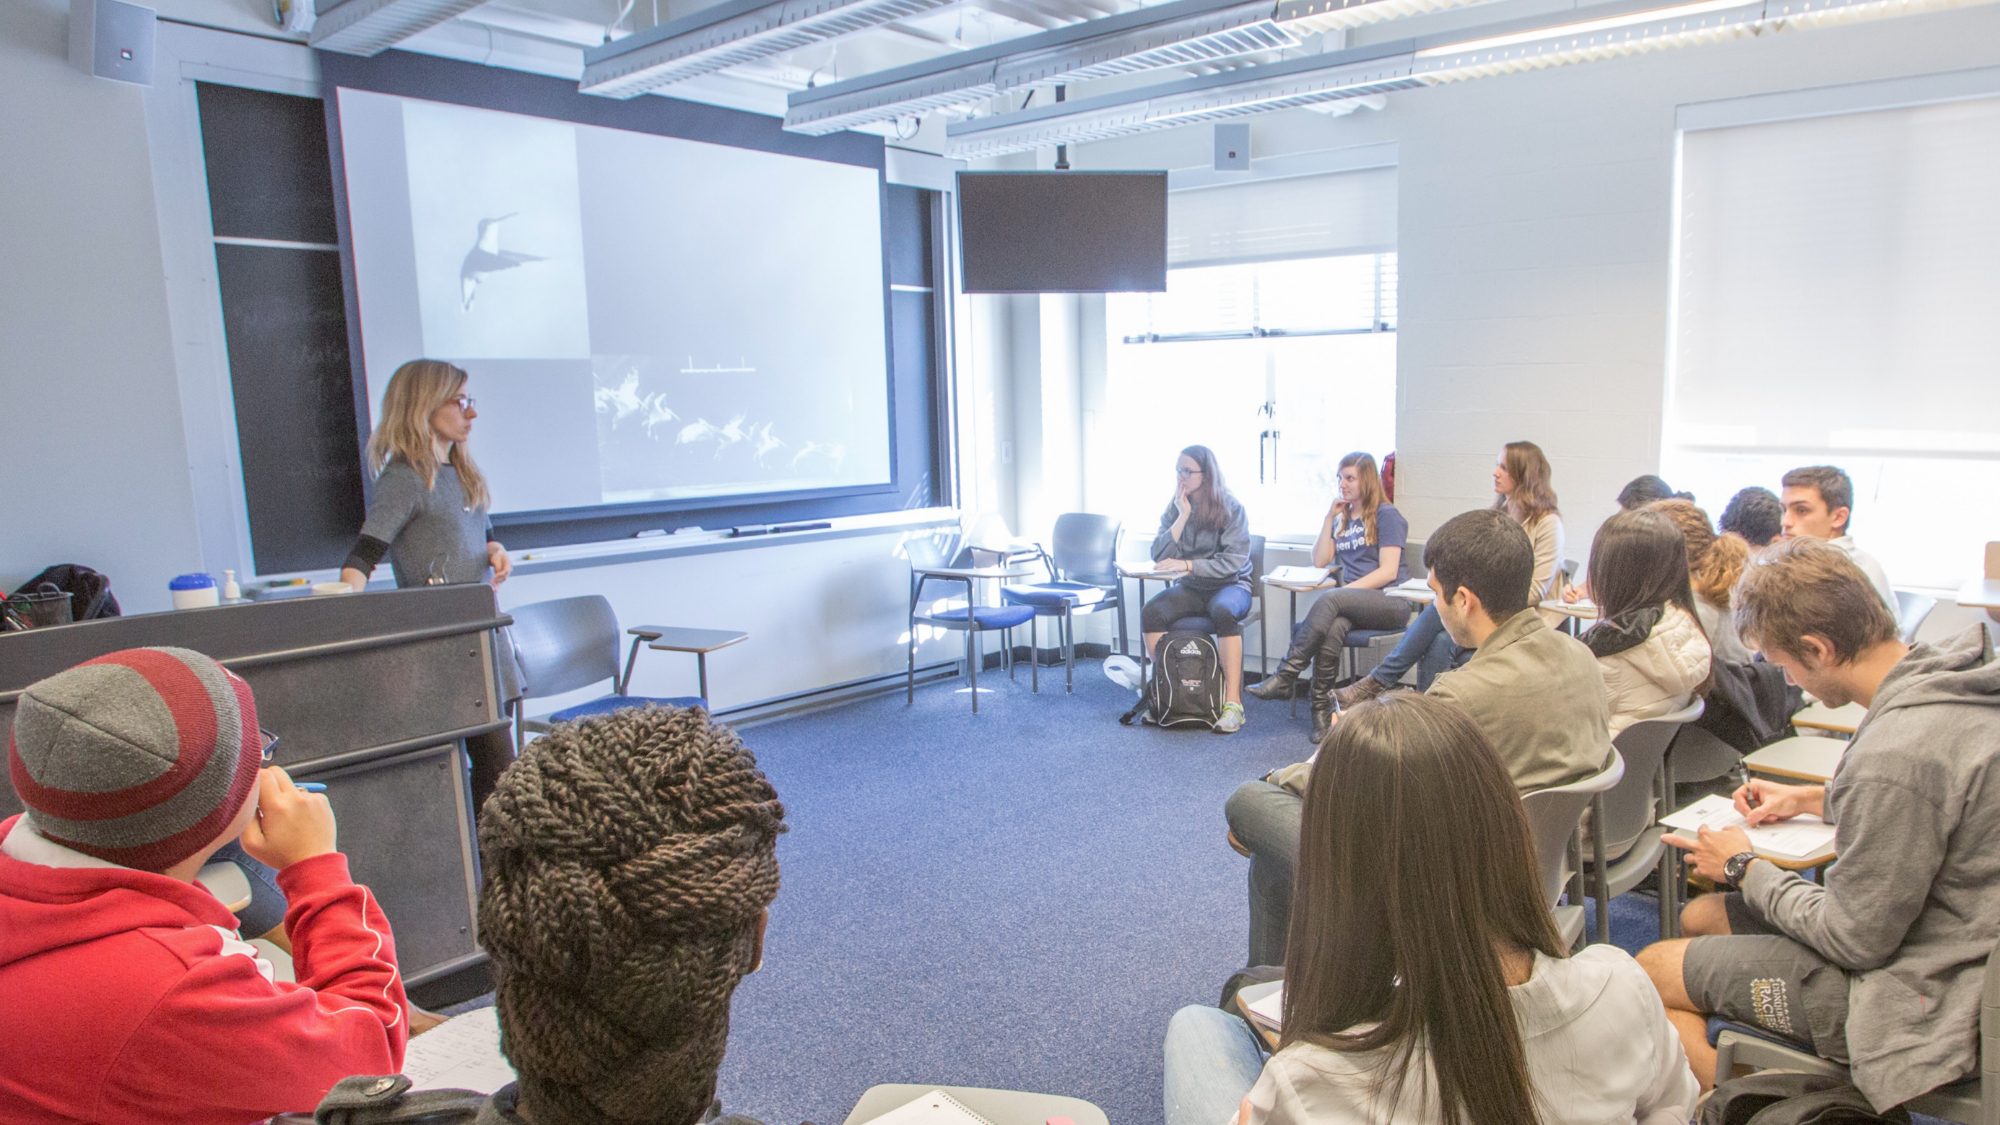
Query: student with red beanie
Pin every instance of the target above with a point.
(130, 997)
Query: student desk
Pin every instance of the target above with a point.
(1844, 720)
(1980, 593)
(1808, 758)
(1001, 1107)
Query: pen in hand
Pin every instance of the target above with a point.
(310, 786)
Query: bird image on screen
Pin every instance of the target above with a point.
(486, 257)
(645, 319)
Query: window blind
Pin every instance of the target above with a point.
(1296, 217)
(1836, 297)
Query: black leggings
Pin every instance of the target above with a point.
(1225, 608)
(1324, 631)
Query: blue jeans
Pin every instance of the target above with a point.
(1425, 646)
(1265, 818)
(1224, 608)
(1213, 1058)
(268, 904)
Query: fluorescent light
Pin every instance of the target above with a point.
(1628, 27)
(1295, 82)
(369, 27)
(1629, 33)
(1163, 35)
(731, 34)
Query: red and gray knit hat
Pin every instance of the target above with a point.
(140, 757)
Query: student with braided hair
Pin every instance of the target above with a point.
(630, 861)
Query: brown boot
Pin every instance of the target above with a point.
(1280, 684)
(1359, 692)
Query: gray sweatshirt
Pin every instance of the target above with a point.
(1912, 910)
(432, 533)
(1220, 556)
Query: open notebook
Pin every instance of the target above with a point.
(934, 1108)
(1800, 838)
(462, 1053)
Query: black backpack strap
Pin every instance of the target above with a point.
(365, 1099)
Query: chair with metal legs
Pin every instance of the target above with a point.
(931, 563)
(1083, 578)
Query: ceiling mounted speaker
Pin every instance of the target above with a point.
(1232, 147)
(112, 39)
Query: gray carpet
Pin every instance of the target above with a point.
(1019, 899)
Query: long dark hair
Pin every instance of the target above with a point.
(1639, 559)
(1403, 905)
(1534, 495)
(1206, 501)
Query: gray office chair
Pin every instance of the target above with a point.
(1628, 819)
(1911, 609)
(572, 643)
(1083, 578)
(1554, 816)
(1973, 1101)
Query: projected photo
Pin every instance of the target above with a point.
(667, 430)
(498, 234)
(644, 318)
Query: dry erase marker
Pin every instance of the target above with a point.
(311, 786)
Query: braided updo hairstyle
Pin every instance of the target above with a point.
(628, 859)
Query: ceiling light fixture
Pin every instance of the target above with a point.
(1622, 28)
(369, 27)
(730, 34)
(1181, 33)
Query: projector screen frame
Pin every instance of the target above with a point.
(406, 75)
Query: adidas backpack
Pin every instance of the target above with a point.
(1186, 688)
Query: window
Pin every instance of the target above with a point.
(1281, 367)
(1835, 288)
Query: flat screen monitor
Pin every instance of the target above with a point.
(1063, 232)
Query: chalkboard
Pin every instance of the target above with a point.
(284, 323)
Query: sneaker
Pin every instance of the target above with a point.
(1232, 718)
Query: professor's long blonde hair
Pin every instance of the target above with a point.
(415, 392)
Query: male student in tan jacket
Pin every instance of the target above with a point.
(1537, 694)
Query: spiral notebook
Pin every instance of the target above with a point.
(934, 1108)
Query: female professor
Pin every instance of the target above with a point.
(429, 512)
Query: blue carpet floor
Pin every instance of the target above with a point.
(1019, 899)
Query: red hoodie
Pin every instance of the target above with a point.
(126, 996)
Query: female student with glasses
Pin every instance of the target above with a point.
(429, 512)
(1204, 542)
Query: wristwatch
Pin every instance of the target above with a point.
(1737, 866)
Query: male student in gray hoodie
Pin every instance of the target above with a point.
(1881, 967)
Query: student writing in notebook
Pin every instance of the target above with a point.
(631, 861)
(1900, 932)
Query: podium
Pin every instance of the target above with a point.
(374, 695)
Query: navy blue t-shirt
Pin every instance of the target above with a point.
(1354, 558)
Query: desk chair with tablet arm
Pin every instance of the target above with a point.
(1629, 821)
(572, 643)
(1083, 578)
(931, 563)
(1555, 819)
